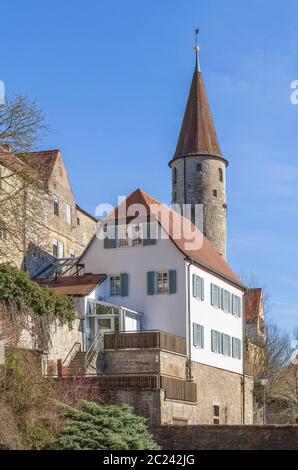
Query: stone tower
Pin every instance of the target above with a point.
(198, 167)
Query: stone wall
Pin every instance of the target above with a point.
(226, 437)
(144, 361)
(62, 338)
(224, 389)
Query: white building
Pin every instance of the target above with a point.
(185, 290)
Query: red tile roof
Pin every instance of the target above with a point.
(253, 304)
(78, 286)
(42, 162)
(191, 243)
(197, 135)
(37, 165)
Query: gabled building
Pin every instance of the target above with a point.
(42, 221)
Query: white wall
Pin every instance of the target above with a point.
(211, 318)
(166, 312)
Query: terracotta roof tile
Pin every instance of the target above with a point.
(197, 135)
(191, 242)
(79, 286)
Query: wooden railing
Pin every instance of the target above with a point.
(175, 389)
(145, 340)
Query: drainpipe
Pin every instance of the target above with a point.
(188, 338)
(243, 358)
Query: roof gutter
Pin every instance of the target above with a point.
(214, 271)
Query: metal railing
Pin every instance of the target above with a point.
(94, 348)
(75, 348)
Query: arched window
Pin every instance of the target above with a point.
(174, 175)
(220, 175)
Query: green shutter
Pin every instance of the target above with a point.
(150, 283)
(149, 234)
(109, 242)
(124, 284)
(172, 282)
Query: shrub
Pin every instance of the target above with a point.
(29, 297)
(97, 427)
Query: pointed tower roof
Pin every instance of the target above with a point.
(197, 135)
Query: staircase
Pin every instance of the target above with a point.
(79, 362)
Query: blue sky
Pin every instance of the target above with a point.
(113, 77)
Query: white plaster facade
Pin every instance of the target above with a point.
(167, 312)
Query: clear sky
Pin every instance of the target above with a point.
(113, 77)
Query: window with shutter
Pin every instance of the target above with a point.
(198, 336)
(172, 282)
(198, 287)
(151, 276)
(124, 284)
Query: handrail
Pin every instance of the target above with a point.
(75, 348)
(93, 348)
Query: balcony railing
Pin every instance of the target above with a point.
(145, 340)
(175, 389)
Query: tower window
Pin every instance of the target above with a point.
(215, 192)
(220, 175)
(215, 414)
(174, 175)
(199, 166)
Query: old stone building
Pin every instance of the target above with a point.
(40, 219)
(199, 168)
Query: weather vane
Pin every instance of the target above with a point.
(197, 49)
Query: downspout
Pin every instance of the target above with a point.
(243, 358)
(188, 342)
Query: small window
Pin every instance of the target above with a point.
(215, 296)
(68, 214)
(72, 253)
(55, 248)
(198, 287)
(216, 415)
(163, 282)
(199, 166)
(215, 192)
(137, 238)
(122, 236)
(115, 285)
(236, 348)
(226, 301)
(198, 336)
(226, 345)
(78, 221)
(56, 205)
(58, 249)
(3, 234)
(236, 306)
(174, 175)
(220, 175)
(216, 342)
